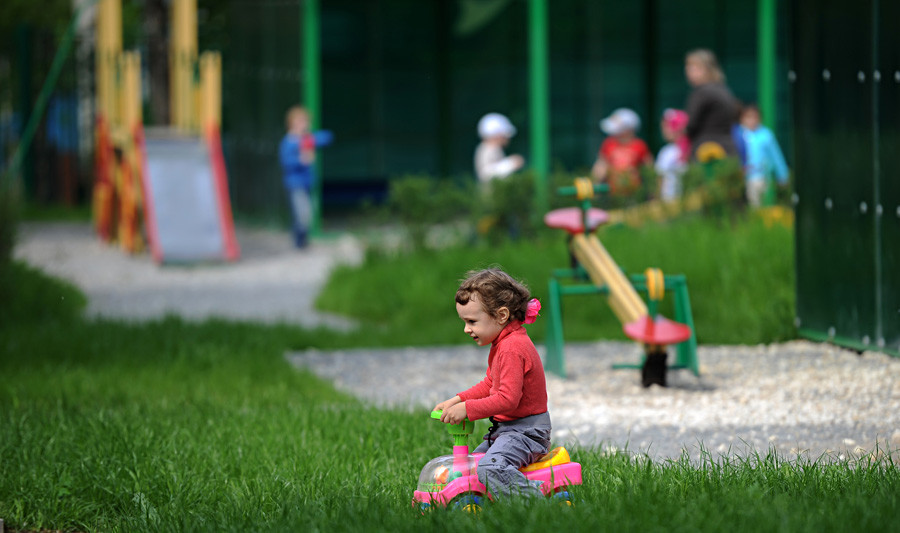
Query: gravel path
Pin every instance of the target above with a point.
(803, 398)
(272, 282)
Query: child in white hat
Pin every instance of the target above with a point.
(622, 154)
(491, 162)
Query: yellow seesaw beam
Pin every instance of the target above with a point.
(657, 210)
(623, 299)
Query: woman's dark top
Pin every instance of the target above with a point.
(712, 112)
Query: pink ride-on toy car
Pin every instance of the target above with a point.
(452, 480)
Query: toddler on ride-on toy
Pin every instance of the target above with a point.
(513, 394)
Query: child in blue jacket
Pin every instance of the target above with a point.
(763, 156)
(297, 153)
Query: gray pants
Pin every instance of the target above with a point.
(301, 213)
(511, 446)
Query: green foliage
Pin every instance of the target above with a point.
(497, 211)
(507, 208)
(650, 183)
(740, 278)
(647, 190)
(491, 212)
(420, 202)
(723, 182)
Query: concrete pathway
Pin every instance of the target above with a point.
(272, 282)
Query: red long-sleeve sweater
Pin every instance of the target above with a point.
(514, 386)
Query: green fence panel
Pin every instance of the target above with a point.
(888, 113)
(261, 80)
(843, 170)
(404, 82)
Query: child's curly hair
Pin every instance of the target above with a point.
(495, 289)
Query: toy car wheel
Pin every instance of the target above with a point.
(469, 502)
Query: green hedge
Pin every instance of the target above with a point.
(505, 209)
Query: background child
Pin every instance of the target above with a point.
(513, 394)
(491, 162)
(764, 156)
(672, 159)
(297, 154)
(622, 153)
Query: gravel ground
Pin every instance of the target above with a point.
(272, 282)
(799, 399)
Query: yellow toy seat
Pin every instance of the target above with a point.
(556, 456)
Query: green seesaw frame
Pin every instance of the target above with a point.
(623, 298)
(686, 352)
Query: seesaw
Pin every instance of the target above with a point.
(591, 261)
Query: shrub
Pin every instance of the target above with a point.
(723, 183)
(508, 209)
(497, 210)
(505, 209)
(419, 202)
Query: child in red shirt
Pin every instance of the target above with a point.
(513, 393)
(622, 154)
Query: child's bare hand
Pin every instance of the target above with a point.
(454, 414)
(446, 404)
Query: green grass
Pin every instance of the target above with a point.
(172, 426)
(741, 282)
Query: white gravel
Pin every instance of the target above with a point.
(799, 398)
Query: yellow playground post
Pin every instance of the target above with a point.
(119, 133)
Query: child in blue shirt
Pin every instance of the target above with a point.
(763, 156)
(297, 154)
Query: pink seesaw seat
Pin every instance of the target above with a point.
(571, 219)
(657, 331)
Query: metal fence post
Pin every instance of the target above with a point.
(310, 50)
(539, 99)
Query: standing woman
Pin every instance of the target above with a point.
(711, 108)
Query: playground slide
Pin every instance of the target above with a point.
(187, 206)
(623, 299)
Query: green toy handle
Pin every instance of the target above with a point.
(437, 416)
(460, 432)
